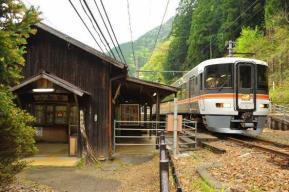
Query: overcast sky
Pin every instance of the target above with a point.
(145, 15)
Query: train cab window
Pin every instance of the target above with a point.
(262, 77)
(245, 77)
(218, 76)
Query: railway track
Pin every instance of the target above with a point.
(275, 149)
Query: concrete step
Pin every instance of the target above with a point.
(200, 136)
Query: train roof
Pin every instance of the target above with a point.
(200, 67)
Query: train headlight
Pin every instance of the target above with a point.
(246, 97)
(223, 105)
(265, 106)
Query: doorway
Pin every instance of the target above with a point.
(56, 125)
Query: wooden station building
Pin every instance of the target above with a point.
(63, 76)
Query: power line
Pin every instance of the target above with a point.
(160, 28)
(83, 8)
(107, 30)
(85, 25)
(107, 43)
(130, 28)
(103, 7)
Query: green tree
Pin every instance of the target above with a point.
(157, 63)
(177, 51)
(16, 136)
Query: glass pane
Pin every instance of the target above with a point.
(49, 114)
(40, 114)
(218, 76)
(60, 115)
(245, 73)
(262, 77)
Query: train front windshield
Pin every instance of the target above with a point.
(218, 76)
(221, 76)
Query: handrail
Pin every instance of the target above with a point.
(164, 164)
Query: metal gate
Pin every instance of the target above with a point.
(130, 133)
(146, 133)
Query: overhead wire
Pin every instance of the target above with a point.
(93, 26)
(98, 27)
(159, 30)
(107, 30)
(85, 26)
(235, 20)
(130, 28)
(107, 17)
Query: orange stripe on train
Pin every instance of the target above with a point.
(217, 96)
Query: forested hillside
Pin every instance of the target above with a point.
(271, 43)
(201, 28)
(143, 46)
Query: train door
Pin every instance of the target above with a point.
(245, 87)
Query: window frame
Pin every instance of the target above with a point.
(206, 73)
(266, 76)
(45, 106)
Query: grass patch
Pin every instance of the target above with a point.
(201, 185)
(81, 163)
(280, 95)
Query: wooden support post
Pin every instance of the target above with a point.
(145, 114)
(157, 106)
(151, 118)
(110, 118)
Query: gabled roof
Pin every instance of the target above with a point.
(80, 45)
(166, 88)
(54, 79)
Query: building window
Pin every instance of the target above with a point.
(50, 114)
(60, 115)
(39, 113)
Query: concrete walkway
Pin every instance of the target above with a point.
(54, 161)
(125, 173)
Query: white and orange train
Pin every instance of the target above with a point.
(228, 95)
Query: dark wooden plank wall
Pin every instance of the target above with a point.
(54, 55)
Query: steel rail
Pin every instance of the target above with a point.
(267, 149)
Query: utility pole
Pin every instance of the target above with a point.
(137, 68)
(175, 134)
(231, 47)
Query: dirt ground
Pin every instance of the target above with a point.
(240, 169)
(275, 135)
(138, 173)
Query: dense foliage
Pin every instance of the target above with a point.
(202, 28)
(156, 63)
(143, 46)
(271, 45)
(16, 136)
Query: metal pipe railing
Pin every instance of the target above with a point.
(164, 164)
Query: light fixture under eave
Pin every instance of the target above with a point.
(43, 90)
(154, 94)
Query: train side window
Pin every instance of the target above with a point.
(201, 81)
(191, 85)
